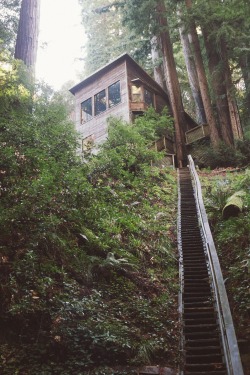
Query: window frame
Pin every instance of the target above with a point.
(152, 97)
(110, 105)
(83, 121)
(141, 93)
(95, 102)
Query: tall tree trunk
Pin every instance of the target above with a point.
(232, 104)
(214, 134)
(192, 75)
(27, 36)
(156, 58)
(172, 84)
(217, 73)
(245, 68)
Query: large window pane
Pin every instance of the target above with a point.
(114, 93)
(100, 102)
(148, 97)
(86, 107)
(136, 94)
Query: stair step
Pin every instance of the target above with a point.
(206, 320)
(205, 367)
(200, 328)
(203, 358)
(199, 335)
(198, 314)
(216, 372)
(196, 276)
(198, 350)
(203, 343)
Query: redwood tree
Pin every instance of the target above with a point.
(216, 69)
(172, 82)
(214, 134)
(192, 73)
(157, 63)
(27, 36)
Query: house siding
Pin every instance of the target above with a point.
(97, 126)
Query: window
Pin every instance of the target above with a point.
(86, 107)
(114, 94)
(136, 94)
(148, 97)
(100, 102)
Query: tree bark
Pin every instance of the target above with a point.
(214, 134)
(156, 58)
(192, 76)
(172, 84)
(217, 72)
(245, 68)
(230, 89)
(27, 36)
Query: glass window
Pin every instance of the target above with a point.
(86, 108)
(100, 102)
(114, 93)
(148, 97)
(136, 94)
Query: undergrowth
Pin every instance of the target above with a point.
(232, 242)
(223, 155)
(89, 273)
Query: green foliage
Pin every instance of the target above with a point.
(227, 23)
(107, 36)
(223, 155)
(87, 249)
(153, 125)
(9, 23)
(232, 241)
(127, 152)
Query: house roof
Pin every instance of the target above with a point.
(124, 57)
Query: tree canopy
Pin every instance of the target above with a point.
(219, 25)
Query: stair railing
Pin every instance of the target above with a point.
(181, 279)
(229, 341)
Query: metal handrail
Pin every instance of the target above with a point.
(229, 341)
(181, 278)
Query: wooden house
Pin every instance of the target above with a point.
(121, 89)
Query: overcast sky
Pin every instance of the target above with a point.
(61, 30)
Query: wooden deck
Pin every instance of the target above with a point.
(197, 133)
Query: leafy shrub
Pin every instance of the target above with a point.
(223, 155)
(153, 125)
(243, 148)
(233, 242)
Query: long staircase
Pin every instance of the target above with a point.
(208, 346)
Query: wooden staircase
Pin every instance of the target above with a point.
(202, 347)
(204, 343)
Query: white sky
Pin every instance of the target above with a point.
(61, 29)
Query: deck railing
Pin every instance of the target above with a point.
(197, 133)
(165, 143)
